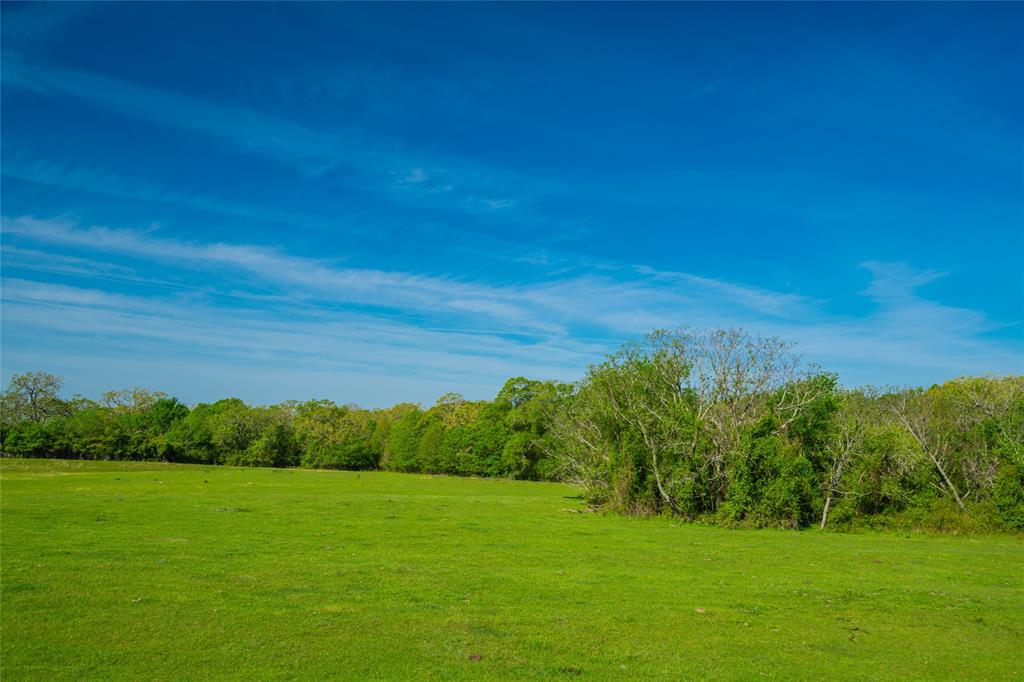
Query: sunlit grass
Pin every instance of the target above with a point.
(148, 571)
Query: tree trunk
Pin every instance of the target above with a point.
(949, 483)
(933, 458)
(661, 489)
(824, 514)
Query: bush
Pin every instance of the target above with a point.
(1008, 496)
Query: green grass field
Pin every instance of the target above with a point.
(147, 571)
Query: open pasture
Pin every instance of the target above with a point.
(148, 571)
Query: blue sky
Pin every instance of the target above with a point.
(380, 203)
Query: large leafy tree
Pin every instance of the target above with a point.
(33, 396)
(669, 423)
(334, 437)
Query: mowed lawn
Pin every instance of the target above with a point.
(148, 571)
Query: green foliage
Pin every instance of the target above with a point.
(1008, 496)
(333, 437)
(33, 396)
(508, 436)
(520, 455)
(713, 425)
(528, 410)
(275, 447)
(401, 452)
(30, 438)
(475, 449)
(428, 449)
(192, 437)
(233, 429)
(888, 474)
(771, 485)
(724, 425)
(88, 434)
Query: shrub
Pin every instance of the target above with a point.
(1008, 496)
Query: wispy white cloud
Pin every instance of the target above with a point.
(325, 217)
(630, 304)
(372, 163)
(287, 310)
(91, 178)
(896, 282)
(342, 344)
(367, 286)
(43, 261)
(31, 23)
(907, 335)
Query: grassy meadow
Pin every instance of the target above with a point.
(149, 571)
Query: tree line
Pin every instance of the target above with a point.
(500, 437)
(716, 426)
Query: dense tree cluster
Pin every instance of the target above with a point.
(719, 426)
(506, 436)
(728, 427)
